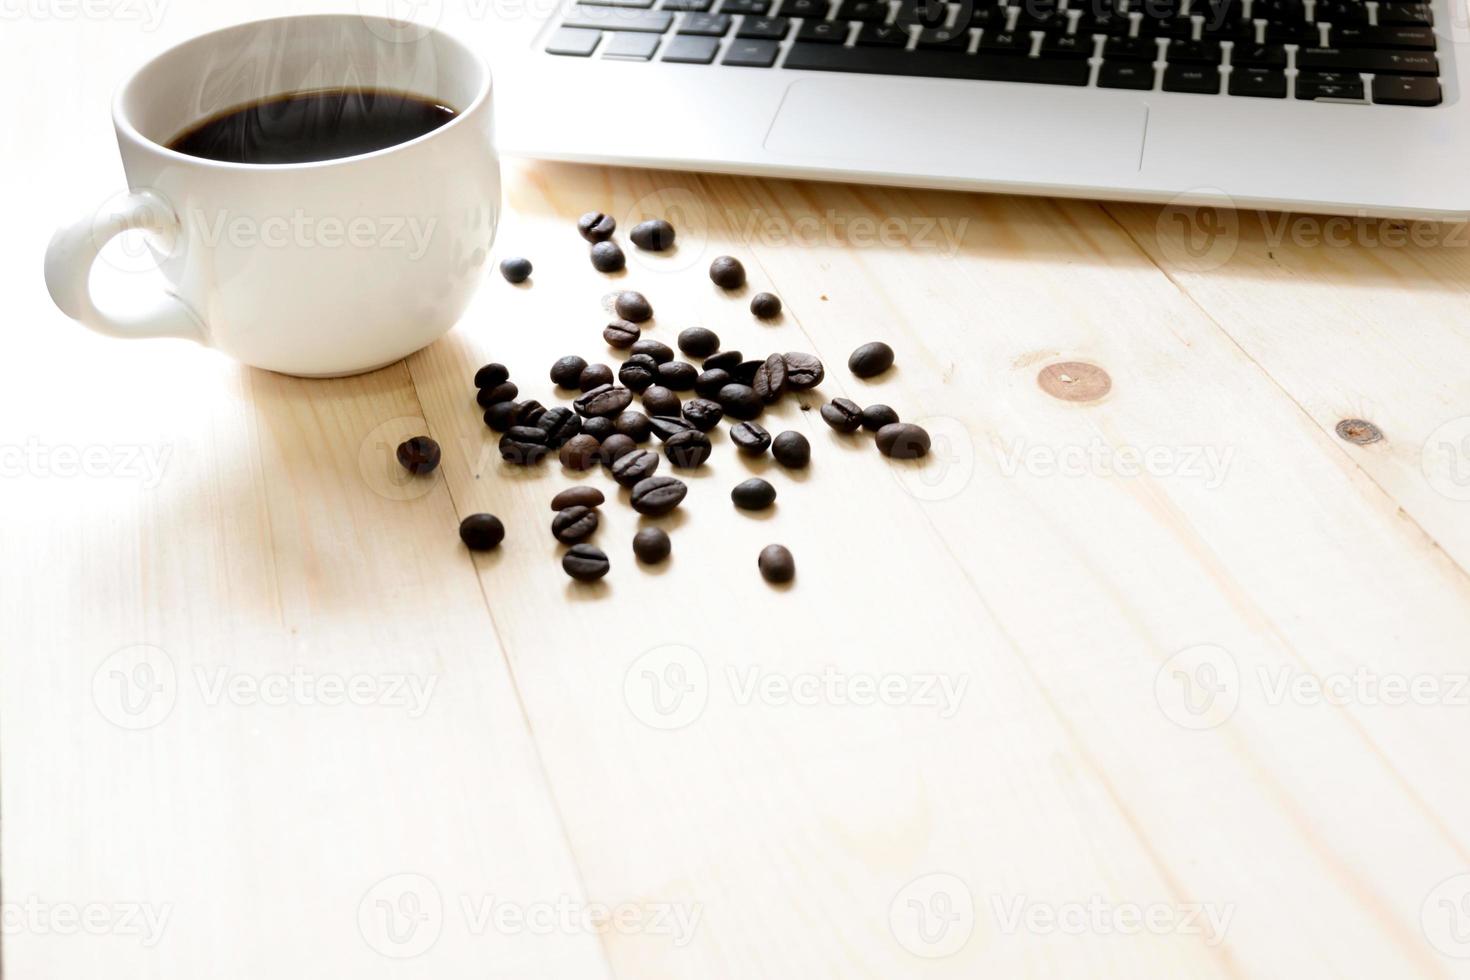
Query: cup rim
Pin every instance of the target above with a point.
(125, 125)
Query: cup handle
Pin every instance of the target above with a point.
(74, 250)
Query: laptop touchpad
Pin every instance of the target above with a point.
(956, 129)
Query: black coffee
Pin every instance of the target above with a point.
(313, 126)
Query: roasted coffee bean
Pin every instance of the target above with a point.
(687, 450)
(594, 376)
(792, 450)
(506, 391)
(585, 563)
(559, 424)
(596, 226)
(770, 379)
(653, 236)
(803, 371)
(658, 400)
(481, 532)
(607, 257)
(871, 360)
(516, 270)
(500, 416)
(620, 334)
(580, 496)
(699, 342)
(703, 414)
(668, 426)
(574, 524)
(634, 425)
(633, 307)
(744, 373)
(651, 545)
(615, 447)
(608, 400)
(635, 467)
(753, 494)
(523, 445)
(661, 352)
(767, 306)
(876, 417)
(725, 360)
(678, 375)
(658, 495)
(491, 375)
(597, 427)
(727, 272)
(750, 437)
(709, 383)
(903, 440)
(776, 565)
(581, 452)
(567, 372)
(638, 372)
(419, 455)
(843, 414)
(527, 412)
(741, 402)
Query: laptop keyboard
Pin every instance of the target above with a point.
(1339, 50)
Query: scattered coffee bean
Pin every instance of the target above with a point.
(580, 496)
(594, 376)
(744, 373)
(727, 272)
(678, 375)
(871, 360)
(506, 391)
(481, 532)
(770, 379)
(803, 371)
(620, 334)
(658, 495)
(634, 467)
(709, 383)
(750, 437)
(574, 524)
(776, 565)
(699, 342)
(741, 402)
(753, 494)
(559, 424)
(687, 450)
(615, 447)
(581, 452)
(585, 563)
(843, 414)
(491, 375)
(527, 412)
(903, 440)
(596, 226)
(609, 400)
(767, 306)
(703, 414)
(658, 400)
(598, 427)
(516, 270)
(523, 445)
(567, 372)
(876, 417)
(725, 360)
(634, 425)
(638, 372)
(633, 307)
(653, 236)
(419, 455)
(661, 352)
(668, 426)
(792, 450)
(607, 257)
(651, 545)
(501, 415)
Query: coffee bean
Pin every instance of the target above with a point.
(653, 236)
(876, 417)
(481, 532)
(567, 372)
(727, 272)
(506, 391)
(581, 452)
(635, 467)
(609, 400)
(753, 494)
(702, 413)
(668, 426)
(661, 352)
(776, 565)
(658, 495)
(651, 545)
(579, 496)
(516, 270)
(594, 376)
(699, 341)
(585, 563)
(638, 372)
(843, 414)
(687, 450)
(620, 334)
(903, 440)
(750, 437)
(491, 375)
(767, 306)
(633, 307)
(607, 257)
(634, 425)
(597, 427)
(574, 524)
(709, 383)
(419, 455)
(871, 360)
(744, 373)
(596, 226)
(615, 447)
(559, 424)
(658, 400)
(792, 450)
(528, 412)
(678, 375)
(523, 445)
(725, 360)
(741, 402)
(770, 379)
(803, 371)
(500, 415)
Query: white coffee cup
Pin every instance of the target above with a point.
(314, 269)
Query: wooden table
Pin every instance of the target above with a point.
(1169, 682)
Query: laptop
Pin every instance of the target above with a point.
(1329, 106)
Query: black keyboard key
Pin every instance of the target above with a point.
(1218, 11)
(709, 25)
(1238, 31)
(883, 35)
(943, 39)
(1401, 38)
(689, 49)
(1126, 74)
(823, 31)
(1108, 24)
(1405, 15)
(815, 9)
(978, 17)
(1260, 83)
(863, 11)
(1066, 46)
(1017, 43)
(619, 19)
(926, 13)
(1339, 12)
(937, 64)
(769, 28)
(574, 42)
(1194, 53)
(752, 53)
(630, 45)
(1039, 20)
(1195, 79)
(1131, 49)
(1258, 56)
(1180, 28)
(1279, 11)
(695, 6)
(1367, 59)
(1329, 85)
(1305, 34)
(756, 8)
(1393, 90)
